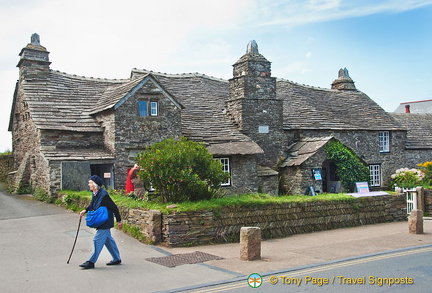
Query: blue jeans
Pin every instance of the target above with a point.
(103, 237)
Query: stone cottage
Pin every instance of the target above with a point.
(66, 127)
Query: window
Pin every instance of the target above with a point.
(153, 108)
(142, 105)
(147, 108)
(384, 141)
(375, 175)
(226, 168)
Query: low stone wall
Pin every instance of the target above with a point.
(279, 220)
(275, 220)
(6, 166)
(428, 202)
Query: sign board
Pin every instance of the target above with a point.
(316, 172)
(362, 187)
(107, 175)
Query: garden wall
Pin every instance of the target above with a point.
(428, 202)
(275, 220)
(6, 166)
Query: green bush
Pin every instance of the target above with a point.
(42, 195)
(181, 170)
(349, 167)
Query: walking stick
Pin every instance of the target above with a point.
(79, 224)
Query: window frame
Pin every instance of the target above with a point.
(148, 108)
(226, 167)
(154, 111)
(384, 141)
(375, 175)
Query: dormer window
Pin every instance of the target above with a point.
(148, 108)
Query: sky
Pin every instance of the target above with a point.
(385, 44)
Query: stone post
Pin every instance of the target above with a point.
(420, 198)
(415, 222)
(250, 243)
(155, 226)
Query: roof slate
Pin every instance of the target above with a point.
(63, 101)
(419, 127)
(304, 149)
(307, 107)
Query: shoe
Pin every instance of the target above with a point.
(87, 265)
(112, 263)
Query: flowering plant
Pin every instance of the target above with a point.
(407, 178)
(426, 168)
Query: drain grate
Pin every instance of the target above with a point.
(182, 259)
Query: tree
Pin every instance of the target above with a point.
(181, 170)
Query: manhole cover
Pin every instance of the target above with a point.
(182, 259)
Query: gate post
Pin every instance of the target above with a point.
(416, 222)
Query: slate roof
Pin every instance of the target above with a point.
(302, 150)
(424, 106)
(419, 125)
(63, 101)
(307, 107)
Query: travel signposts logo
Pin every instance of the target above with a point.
(254, 280)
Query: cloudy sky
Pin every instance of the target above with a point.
(385, 44)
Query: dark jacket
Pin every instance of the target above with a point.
(102, 198)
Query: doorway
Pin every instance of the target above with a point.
(105, 172)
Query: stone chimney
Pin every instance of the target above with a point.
(34, 62)
(343, 82)
(253, 106)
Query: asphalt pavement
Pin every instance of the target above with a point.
(36, 240)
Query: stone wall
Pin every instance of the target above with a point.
(428, 202)
(135, 132)
(274, 220)
(279, 220)
(71, 139)
(6, 166)
(243, 175)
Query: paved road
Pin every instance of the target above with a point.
(404, 270)
(36, 240)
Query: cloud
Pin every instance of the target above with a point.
(295, 13)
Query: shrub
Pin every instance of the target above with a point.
(426, 168)
(407, 178)
(181, 170)
(349, 167)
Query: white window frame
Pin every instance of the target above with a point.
(153, 108)
(375, 175)
(226, 167)
(384, 141)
